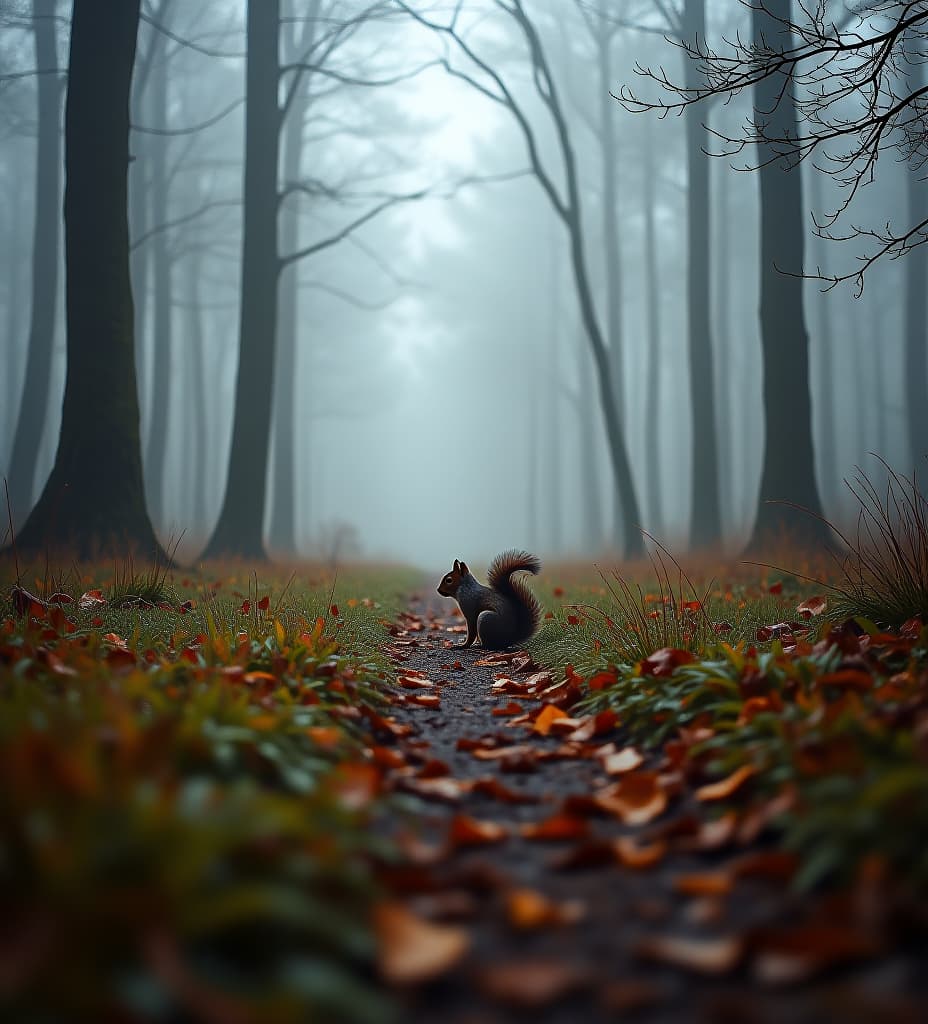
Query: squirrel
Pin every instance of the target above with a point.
(504, 613)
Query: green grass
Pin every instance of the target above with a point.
(185, 820)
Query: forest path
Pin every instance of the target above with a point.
(559, 928)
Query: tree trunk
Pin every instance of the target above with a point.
(705, 523)
(34, 404)
(94, 503)
(652, 417)
(593, 540)
(721, 327)
(553, 461)
(199, 390)
(239, 530)
(162, 357)
(916, 289)
(608, 170)
(827, 450)
(282, 532)
(788, 473)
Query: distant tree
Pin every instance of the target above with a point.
(46, 254)
(480, 73)
(93, 501)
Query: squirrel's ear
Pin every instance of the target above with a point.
(456, 567)
(464, 567)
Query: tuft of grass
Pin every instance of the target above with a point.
(884, 574)
(134, 589)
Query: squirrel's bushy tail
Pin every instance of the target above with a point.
(499, 576)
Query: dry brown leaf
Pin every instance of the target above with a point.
(548, 714)
(530, 984)
(636, 798)
(726, 787)
(560, 826)
(634, 854)
(715, 956)
(411, 950)
(704, 883)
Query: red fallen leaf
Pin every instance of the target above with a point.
(776, 588)
(722, 627)
(587, 854)
(527, 909)
(411, 950)
(246, 607)
(631, 853)
(58, 666)
(712, 956)
(115, 640)
(469, 743)
(91, 599)
(531, 984)
(558, 591)
(59, 598)
(692, 606)
(334, 611)
(386, 757)
(602, 680)
(664, 661)
(704, 883)
(433, 769)
(574, 620)
(560, 826)
(812, 606)
(779, 630)
(621, 761)
(256, 677)
(490, 786)
(726, 787)
(636, 798)
(706, 836)
(264, 603)
(512, 708)
(467, 831)
(594, 725)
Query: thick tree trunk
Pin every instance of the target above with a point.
(93, 502)
(162, 356)
(239, 530)
(705, 521)
(721, 329)
(555, 496)
(788, 473)
(34, 404)
(652, 417)
(199, 390)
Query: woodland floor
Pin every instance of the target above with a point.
(706, 927)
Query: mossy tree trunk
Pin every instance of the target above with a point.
(93, 503)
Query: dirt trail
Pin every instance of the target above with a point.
(582, 955)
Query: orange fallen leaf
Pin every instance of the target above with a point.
(548, 714)
(527, 909)
(560, 826)
(467, 831)
(634, 854)
(411, 950)
(726, 787)
(704, 883)
(636, 798)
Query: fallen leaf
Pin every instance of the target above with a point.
(531, 984)
(812, 606)
(704, 883)
(548, 714)
(663, 662)
(527, 909)
(636, 798)
(631, 853)
(712, 956)
(467, 831)
(560, 826)
(411, 950)
(726, 787)
(622, 761)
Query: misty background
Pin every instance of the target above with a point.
(434, 390)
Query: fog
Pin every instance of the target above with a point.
(435, 391)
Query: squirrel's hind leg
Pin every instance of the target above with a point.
(493, 630)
